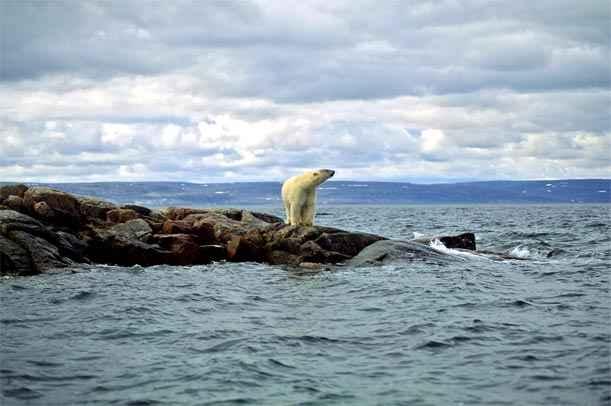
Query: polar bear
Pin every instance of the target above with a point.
(299, 196)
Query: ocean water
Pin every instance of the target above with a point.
(531, 331)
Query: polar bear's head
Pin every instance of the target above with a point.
(315, 178)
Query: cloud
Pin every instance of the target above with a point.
(256, 90)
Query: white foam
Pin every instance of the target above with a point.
(520, 252)
(418, 235)
(440, 247)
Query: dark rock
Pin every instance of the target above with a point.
(43, 247)
(387, 251)
(120, 215)
(214, 252)
(44, 254)
(184, 249)
(346, 243)
(14, 203)
(464, 241)
(15, 190)
(268, 218)
(14, 259)
(247, 247)
(142, 211)
(108, 248)
(71, 246)
(312, 252)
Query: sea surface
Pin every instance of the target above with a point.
(529, 331)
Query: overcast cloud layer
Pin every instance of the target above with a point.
(229, 91)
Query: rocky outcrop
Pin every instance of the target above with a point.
(43, 228)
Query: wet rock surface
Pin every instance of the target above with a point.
(43, 229)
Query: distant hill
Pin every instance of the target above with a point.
(158, 194)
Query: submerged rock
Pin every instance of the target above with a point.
(387, 251)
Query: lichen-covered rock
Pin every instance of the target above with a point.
(14, 203)
(55, 206)
(132, 229)
(91, 208)
(142, 211)
(120, 215)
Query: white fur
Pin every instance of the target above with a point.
(299, 196)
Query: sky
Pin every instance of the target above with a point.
(217, 91)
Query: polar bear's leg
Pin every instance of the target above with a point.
(287, 211)
(295, 213)
(309, 209)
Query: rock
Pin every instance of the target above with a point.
(142, 211)
(109, 248)
(310, 251)
(14, 259)
(202, 229)
(283, 258)
(59, 208)
(28, 247)
(346, 243)
(315, 266)
(247, 247)
(268, 218)
(91, 208)
(177, 227)
(14, 202)
(214, 252)
(184, 249)
(15, 190)
(179, 213)
(120, 215)
(464, 241)
(43, 211)
(222, 227)
(45, 255)
(132, 229)
(387, 251)
(71, 246)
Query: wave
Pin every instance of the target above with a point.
(438, 246)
